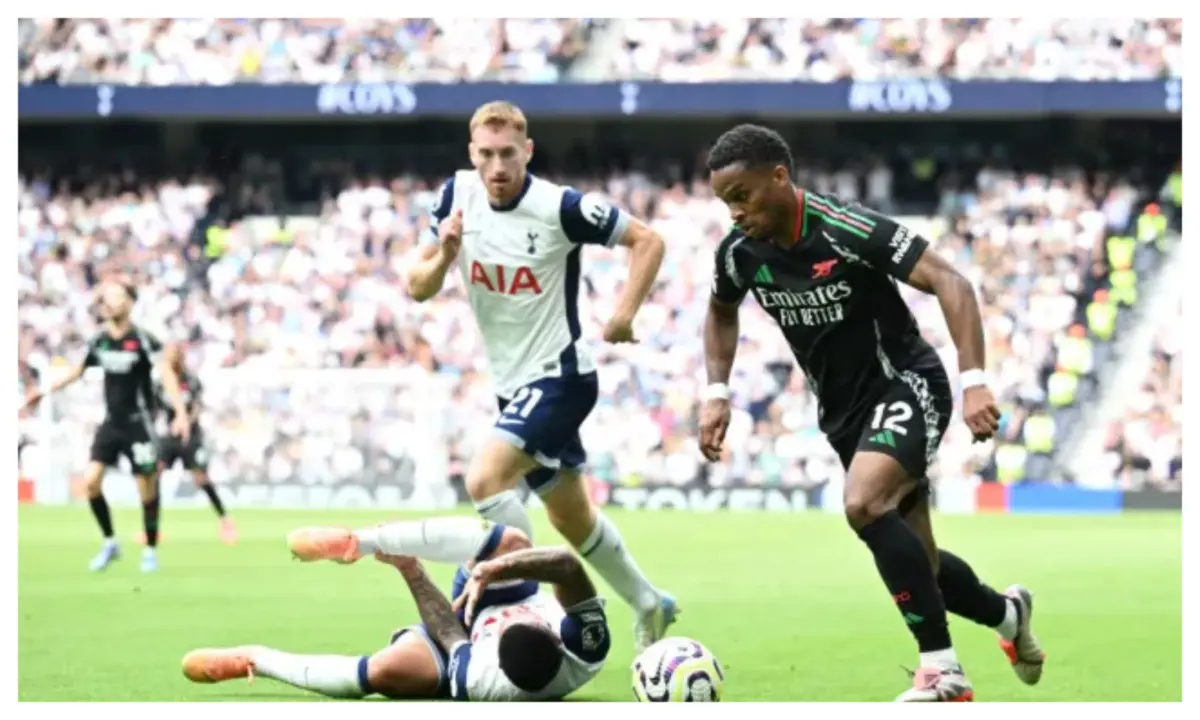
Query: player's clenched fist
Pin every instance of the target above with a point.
(980, 412)
(619, 330)
(450, 235)
(714, 421)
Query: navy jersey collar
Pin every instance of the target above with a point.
(512, 204)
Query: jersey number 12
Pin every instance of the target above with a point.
(892, 417)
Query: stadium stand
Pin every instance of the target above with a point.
(220, 52)
(830, 49)
(274, 263)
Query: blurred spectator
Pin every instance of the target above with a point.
(124, 51)
(1145, 448)
(221, 52)
(831, 49)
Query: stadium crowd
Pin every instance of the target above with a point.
(123, 51)
(830, 49)
(219, 52)
(281, 301)
(1145, 448)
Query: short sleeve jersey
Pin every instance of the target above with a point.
(834, 295)
(128, 364)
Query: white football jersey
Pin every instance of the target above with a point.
(475, 666)
(521, 268)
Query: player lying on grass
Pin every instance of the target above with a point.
(500, 639)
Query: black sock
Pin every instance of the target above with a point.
(150, 521)
(103, 516)
(211, 491)
(905, 569)
(965, 595)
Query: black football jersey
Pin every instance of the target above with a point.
(191, 389)
(127, 362)
(834, 295)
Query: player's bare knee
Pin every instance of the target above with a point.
(147, 488)
(512, 540)
(498, 466)
(864, 504)
(481, 486)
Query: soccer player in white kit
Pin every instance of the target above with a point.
(517, 240)
(501, 639)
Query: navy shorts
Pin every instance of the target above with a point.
(543, 420)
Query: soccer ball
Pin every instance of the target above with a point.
(677, 670)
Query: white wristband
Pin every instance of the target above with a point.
(972, 378)
(716, 391)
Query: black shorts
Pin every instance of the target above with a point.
(906, 422)
(131, 440)
(191, 453)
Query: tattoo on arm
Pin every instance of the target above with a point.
(441, 622)
(555, 565)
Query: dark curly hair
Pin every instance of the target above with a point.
(529, 656)
(754, 146)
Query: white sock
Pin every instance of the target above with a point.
(331, 675)
(1008, 627)
(605, 551)
(445, 539)
(110, 542)
(506, 508)
(941, 659)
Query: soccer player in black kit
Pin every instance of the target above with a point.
(826, 271)
(125, 353)
(190, 451)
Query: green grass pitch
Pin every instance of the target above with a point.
(791, 604)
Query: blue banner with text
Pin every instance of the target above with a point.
(892, 98)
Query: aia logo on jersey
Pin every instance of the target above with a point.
(823, 269)
(130, 345)
(505, 280)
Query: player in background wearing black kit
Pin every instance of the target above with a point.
(826, 272)
(125, 353)
(190, 452)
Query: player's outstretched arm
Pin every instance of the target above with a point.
(76, 372)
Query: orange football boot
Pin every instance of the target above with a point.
(317, 543)
(214, 665)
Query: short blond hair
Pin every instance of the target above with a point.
(499, 114)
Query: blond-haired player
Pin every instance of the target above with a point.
(517, 240)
